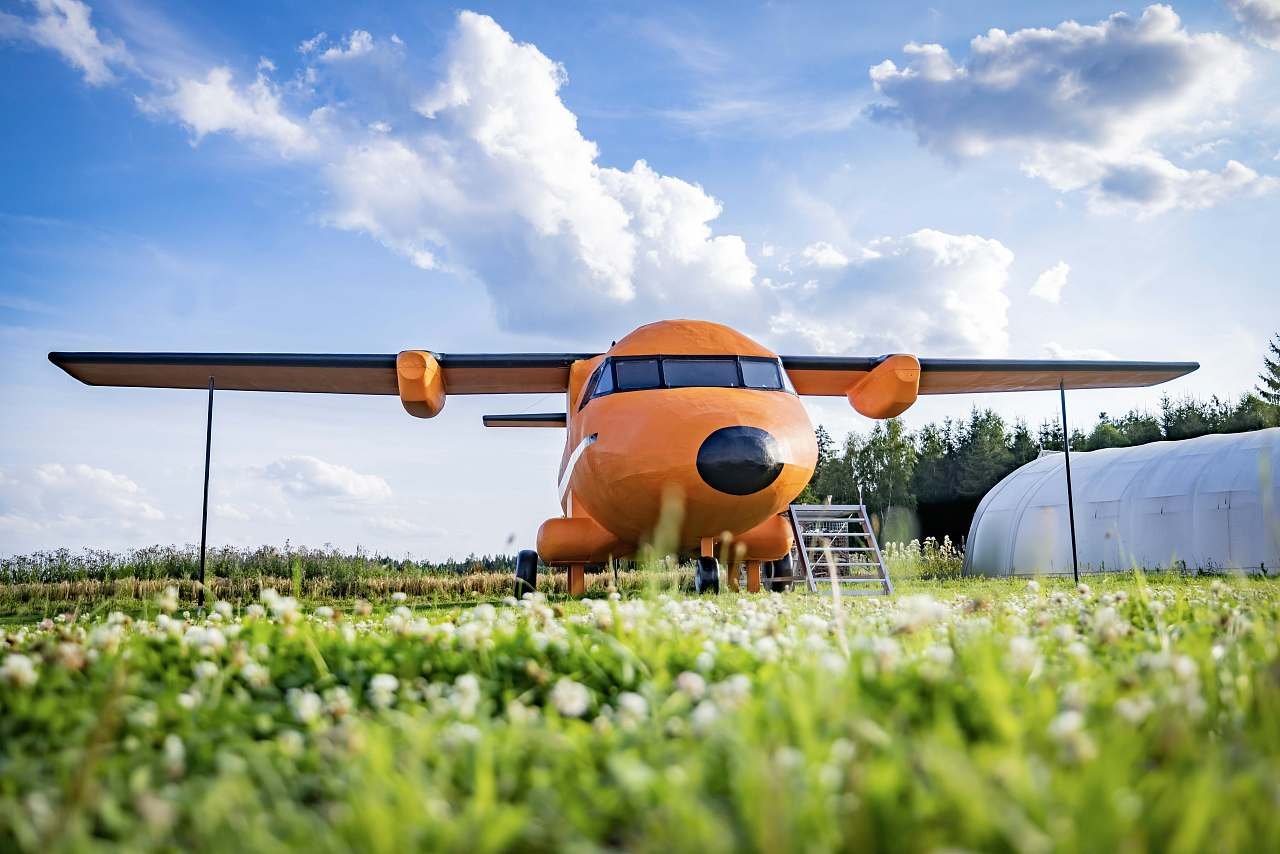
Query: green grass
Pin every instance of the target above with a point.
(961, 714)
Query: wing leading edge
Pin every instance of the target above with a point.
(834, 375)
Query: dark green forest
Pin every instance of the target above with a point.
(929, 482)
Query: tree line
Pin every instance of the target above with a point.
(929, 482)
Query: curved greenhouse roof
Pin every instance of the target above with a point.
(1207, 503)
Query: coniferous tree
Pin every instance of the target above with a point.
(1268, 387)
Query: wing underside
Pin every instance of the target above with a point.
(517, 373)
(536, 373)
(834, 375)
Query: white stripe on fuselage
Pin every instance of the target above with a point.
(573, 461)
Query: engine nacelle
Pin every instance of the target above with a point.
(889, 389)
(421, 383)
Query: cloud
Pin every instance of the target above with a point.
(504, 187)
(230, 511)
(1049, 284)
(309, 45)
(928, 292)
(310, 477)
(64, 26)
(1056, 351)
(55, 496)
(1260, 20)
(216, 104)
(823, 255)
(1083, 103)
(359, 43)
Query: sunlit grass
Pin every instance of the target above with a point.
(989, 715)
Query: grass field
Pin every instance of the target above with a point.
(1143, 714)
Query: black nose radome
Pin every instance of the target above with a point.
(739, 460)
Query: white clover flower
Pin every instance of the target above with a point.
(205, 670)
(175, 755)
(1022, 656)
(305, 704)
(224, 608)
(338, 702)
(466, 695)
(188, 700)
(291, 742)
(1066, 724)
(940, 654)
(631, 704)
(255, 611)
(1033, 586)
(692, 684)
(1134, 709)
(255, 674)
(382, 690)
(399, 596)
(19, 670)
(918, 612)
(168, 600)
(71, 655)
(570, 698)
(704, 717)
(324, 612)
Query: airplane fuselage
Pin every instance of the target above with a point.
(684, 418)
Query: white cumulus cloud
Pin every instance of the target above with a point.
(1055, 350)
(217, 104)
(928, 292)
(55, 497)
(1260, 19)
(310, 477)
(1084, 104)
(505, 187)
(65, 27)
(1049, 284)
(359, 43)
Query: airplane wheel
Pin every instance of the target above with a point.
(782, 568)
(526, 572)
(707, 577)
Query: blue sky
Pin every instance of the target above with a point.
(1028, 180)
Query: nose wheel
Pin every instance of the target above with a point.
(779, 569)
(526, 572)
(706, 579)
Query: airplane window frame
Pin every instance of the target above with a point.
(779, 373)
(726, 360)
(610, 364)
(657, 364)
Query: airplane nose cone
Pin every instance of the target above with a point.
(739, 460)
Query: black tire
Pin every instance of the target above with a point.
(707, 577)
(526, 572)
(776, 568)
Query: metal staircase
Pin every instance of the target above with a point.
(835, 543)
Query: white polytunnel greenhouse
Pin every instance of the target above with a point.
(1209, 503)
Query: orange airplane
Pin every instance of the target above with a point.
(678, 407)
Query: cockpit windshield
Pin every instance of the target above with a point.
(640, 373)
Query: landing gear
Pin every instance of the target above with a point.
(707, 577)
(779, 569)
(526, 572)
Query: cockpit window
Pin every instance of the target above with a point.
(761, 373)
(606, 380)
(712, 373)
(637, 374)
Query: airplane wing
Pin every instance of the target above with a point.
(834, 375)
(477, 373)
